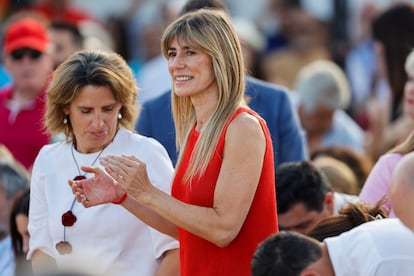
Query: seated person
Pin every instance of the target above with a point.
(355, 252)
(305, 197)
(321, 95)
(352, 215)
(402, 190)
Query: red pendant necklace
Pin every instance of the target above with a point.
(68, 218)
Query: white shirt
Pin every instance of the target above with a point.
(107, 237)
(341, 200)
(382, 248)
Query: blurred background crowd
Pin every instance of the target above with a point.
(347, 65)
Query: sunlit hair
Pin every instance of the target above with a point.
(349, 217)
(210, 32)
(90, 67)
(323, 82)
(405, 146)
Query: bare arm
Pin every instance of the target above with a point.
(103, 189)
(235, 189)
(170, 264)
(42, 263)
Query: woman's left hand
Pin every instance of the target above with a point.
(96, 190)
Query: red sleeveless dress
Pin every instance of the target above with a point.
(201, 257)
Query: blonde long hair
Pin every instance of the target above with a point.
(211, 32)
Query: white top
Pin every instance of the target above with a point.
(105, 237)
(382, 248)
(341, 200)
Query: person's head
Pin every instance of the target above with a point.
(402, 190)
(286, 253)
(304, 196)
(322, 87)
(339, 175)
(26, 53)
(360, 164)
(194, 5)
(204, 58)
(66, 38)
(251, 39)
(18, 224)
(350, 216)
(14, 180)
(92, 94)
(408, 105)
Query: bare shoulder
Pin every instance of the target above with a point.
(245, 125)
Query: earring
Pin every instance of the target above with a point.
(65, 120)
(119, 116)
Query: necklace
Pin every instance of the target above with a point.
(68, 218)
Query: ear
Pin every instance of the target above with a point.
(309, 272)
(329, 202)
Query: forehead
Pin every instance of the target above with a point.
(94, 95)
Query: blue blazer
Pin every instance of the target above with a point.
(269, 101)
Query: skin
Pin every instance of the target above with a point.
(94, 117)
(30, 76)
(409, 96)
(323, 266)
(21, 223)
(237, 182)
(94, 121)
(64, 45)
(402, 190)
(316, 124)
(301, 220)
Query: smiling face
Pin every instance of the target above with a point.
(94, 118)
(191, 70)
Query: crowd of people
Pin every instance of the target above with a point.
(201, 142)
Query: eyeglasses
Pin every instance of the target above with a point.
(20, 53)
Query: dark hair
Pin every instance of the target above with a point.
(193, 5)
(394, 28)
(23, 267)
(350, 216)
(71, 28)
(300, 182)
(285, 253)
(20, 206)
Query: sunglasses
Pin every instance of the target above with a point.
(20, 53)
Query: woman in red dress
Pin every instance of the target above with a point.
(223, 201)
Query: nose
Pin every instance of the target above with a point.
(97, 121)
(176, 62)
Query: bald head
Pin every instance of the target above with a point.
(402, 190)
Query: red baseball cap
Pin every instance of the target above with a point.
(26, 33)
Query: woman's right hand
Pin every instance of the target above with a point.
(97, 190)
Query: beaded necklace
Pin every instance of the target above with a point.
(68, 218)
